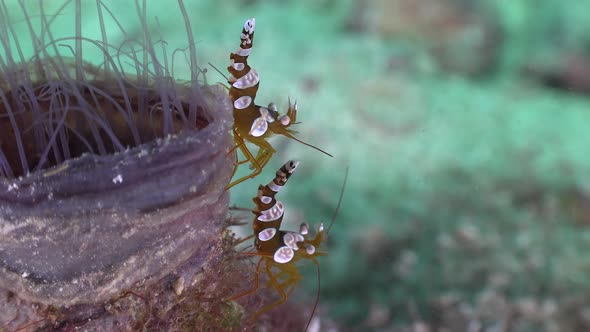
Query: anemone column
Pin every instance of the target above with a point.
(112, 172)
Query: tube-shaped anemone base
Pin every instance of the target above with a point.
(91, 228)
(112, 177)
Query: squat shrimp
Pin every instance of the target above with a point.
(254, 123)
(280, 250)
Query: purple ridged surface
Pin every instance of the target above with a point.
(87, 230)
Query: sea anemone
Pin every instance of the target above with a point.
(112, 172)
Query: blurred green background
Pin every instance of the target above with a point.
(465, 127)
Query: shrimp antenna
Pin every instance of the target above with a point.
(317, 296)
(307, 144)
(219, 71)
(339, 201)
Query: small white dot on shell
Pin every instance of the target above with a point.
(265, 114)
(284, 120)
(291, 165)
(250, 25)
(273, 213)
(283, 255)
(304, 229)
(259, 127)
(243, 51)
(274, 187)
(290, 240)
(298, 237)
(247, 81)
(242, 102)
(237, 65)
(267, 234)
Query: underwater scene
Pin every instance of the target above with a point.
(432, 158)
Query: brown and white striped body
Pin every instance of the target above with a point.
(279, 250)
(253, 120)
(270, 239)
(254, 123)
